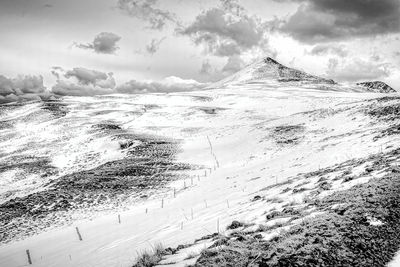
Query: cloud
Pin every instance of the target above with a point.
(153, 47)
(326, 20)
(103, 43)
(206, 67)
(145, 10)
(225, 30)
(87, 82)
(234, 64)
(168, 85)
(65, 88)
(325, 49)
(22, 88)
(357, 70)
(91, 77)
(82, 82)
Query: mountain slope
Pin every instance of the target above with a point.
(264, 150)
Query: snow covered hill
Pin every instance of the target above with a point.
(264, 147)
(272, 73)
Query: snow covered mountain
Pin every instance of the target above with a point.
(260, 169)
(270, 72)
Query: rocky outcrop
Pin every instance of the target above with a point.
(377, 86)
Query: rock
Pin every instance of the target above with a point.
(256, 198)
(273, 214)
(234, 225)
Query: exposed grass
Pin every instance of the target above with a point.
(342, 236)
(151, 258)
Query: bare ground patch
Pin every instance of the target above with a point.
(149, 165)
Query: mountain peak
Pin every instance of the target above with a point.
(268, 70)
(271, 61)
(286, 74)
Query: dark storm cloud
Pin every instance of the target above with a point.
(22, 88)
(103, 43)
(145, 10)
(225, 30)
(326, 49)
(154, 45)
(326, 20)
(82, 82)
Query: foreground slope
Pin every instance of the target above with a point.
(258, 150)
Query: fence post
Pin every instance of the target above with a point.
(29, 256)
(79, 234)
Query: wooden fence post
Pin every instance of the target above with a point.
(29, 256)
(79, 234)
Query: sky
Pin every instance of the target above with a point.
(90, 47)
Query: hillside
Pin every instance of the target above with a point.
(269, 167)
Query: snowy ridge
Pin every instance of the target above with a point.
(377, 86)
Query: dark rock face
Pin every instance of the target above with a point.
(377, 86)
